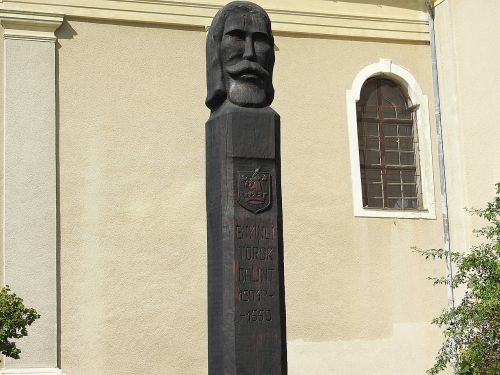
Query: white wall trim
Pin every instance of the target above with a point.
(406, 79)
(31, 371)
(29, 178)
(28, 25)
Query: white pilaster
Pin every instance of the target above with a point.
(29, 210)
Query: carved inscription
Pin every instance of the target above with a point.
(255, 232)
(257, 316)
(256, 276)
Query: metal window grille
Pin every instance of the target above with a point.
(388, 147)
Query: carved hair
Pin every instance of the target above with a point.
(216, 89)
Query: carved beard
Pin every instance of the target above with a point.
(246, 94)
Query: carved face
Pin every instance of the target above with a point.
(247, 56)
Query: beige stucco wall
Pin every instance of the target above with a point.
(132, 200)
(469, 71)
(133, 250)
(354, 290)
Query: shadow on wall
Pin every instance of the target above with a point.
(407, 4)
(65, 31)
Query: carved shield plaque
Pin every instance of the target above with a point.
(254, 190)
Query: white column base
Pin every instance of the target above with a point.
(31, 371)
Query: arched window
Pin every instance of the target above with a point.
(388, 146)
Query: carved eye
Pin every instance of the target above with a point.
(262, 42)
(237, 34)
(260, 37)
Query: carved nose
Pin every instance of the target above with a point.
(249, 53)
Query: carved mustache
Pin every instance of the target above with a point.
(247, 67)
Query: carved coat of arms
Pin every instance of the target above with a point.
(254, 190)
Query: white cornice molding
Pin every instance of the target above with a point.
(412, 26)
(29, 25)
(31, 371)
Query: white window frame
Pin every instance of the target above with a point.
(385, 68)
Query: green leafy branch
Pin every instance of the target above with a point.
(472, 329)
(14, 319)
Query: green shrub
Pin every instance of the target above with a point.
(472, 329)
(14, 318)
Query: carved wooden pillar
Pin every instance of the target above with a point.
(245, 243)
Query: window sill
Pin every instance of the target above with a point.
(398, 214)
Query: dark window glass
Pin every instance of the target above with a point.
(388, 147)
